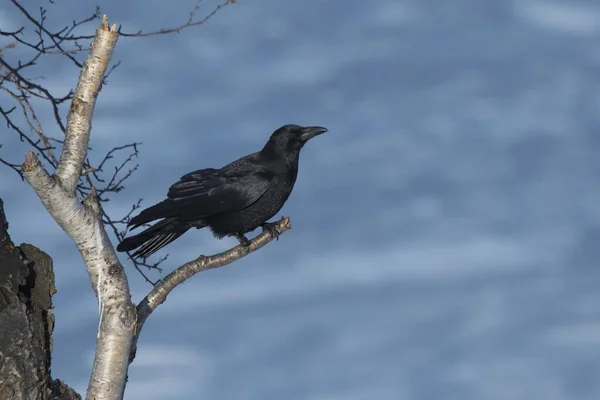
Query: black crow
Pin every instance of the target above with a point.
(231, 201)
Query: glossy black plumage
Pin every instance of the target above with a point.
(231, 201)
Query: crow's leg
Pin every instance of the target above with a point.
(242, 238)
(271, 227)
(198, 224)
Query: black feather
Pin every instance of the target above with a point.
(231, 201)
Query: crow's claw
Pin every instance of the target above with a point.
(243, 239)
(271, 228)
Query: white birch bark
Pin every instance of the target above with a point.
(82, 222)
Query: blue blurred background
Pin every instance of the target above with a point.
(446, 229)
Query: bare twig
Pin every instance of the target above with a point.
(31, 118)
(24, 137)
(40, 40)
(15, 167)
(190, 22)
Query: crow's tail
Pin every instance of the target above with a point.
(154, 238)
(164, 209)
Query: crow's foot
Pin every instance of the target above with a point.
(243, 239)
(271, 228)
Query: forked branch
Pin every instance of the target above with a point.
(82, 221)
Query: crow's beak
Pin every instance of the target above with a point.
(310, 132)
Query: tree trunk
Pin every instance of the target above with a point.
(26, 322)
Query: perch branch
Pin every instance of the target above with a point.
(162, 289)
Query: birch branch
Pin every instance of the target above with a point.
(79, 120)
(162, 289)
(83, 223)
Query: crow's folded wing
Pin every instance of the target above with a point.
(211, 192)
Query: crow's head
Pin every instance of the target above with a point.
(291, 138)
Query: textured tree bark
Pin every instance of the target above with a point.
(26, 322)
(83, 223)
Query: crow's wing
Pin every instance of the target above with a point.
(211, 191)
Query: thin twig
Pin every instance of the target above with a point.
(190, 22)
(36, 37)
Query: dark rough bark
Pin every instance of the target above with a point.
(26, 322)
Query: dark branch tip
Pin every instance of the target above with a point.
(104, 22)
(31, 162)
(285, 223)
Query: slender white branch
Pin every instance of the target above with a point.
(82, 222)
(162, 289)
(79, 120)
